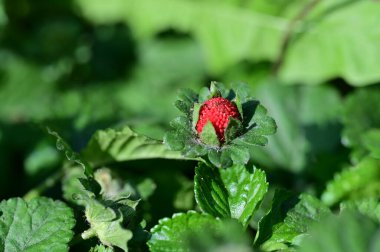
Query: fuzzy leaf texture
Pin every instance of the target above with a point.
(235, 192)
(38, 225)
(107, 219)
(288, 220)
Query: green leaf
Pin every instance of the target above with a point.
(288, 221)
(186, 98)
(228, 24)
(328, 47)
(208, 135)
(107, 220)
(371, 141)
(359, 181)
(368, 207)
(123, 145)
(171, 234)
(246, 188)
(359, 116)
(234, 192)
(306, 126)
(348, 232)
(210, 191)
(38, 225)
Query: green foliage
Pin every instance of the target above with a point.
(369, 207)
(349, 232)
(193, 231)
(110, 145)
(359, 116)
(104, 76)
(359, 181)
(228, 25)
(327, 47)
(288, 221)
(38, 225)
(305, 123)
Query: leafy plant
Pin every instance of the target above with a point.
(94, 155)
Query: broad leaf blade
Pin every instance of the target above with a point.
(246, 189)
(333, 47)
(122, 145)
(227, 23)
(173, 234)
(38, 225)
(210, 191)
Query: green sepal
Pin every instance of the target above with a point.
(196, 109)
(233, 129)
(186, 98)
(215, 89)
(208, 135)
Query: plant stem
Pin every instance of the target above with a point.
(46, 184)
(289, 32)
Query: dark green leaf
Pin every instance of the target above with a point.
(171, 234)
(210, 192)
(38, 225)
(233, 129)
(288, 221)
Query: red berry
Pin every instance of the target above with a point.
(218, 111)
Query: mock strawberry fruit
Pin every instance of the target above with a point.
(218, 111)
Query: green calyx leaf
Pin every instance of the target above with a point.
(235, 192)
(208, 135)
(196, 109)
(40, 224)
(233, 129)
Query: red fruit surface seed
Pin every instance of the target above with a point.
(218, 111)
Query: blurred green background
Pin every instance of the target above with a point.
(78, 66)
